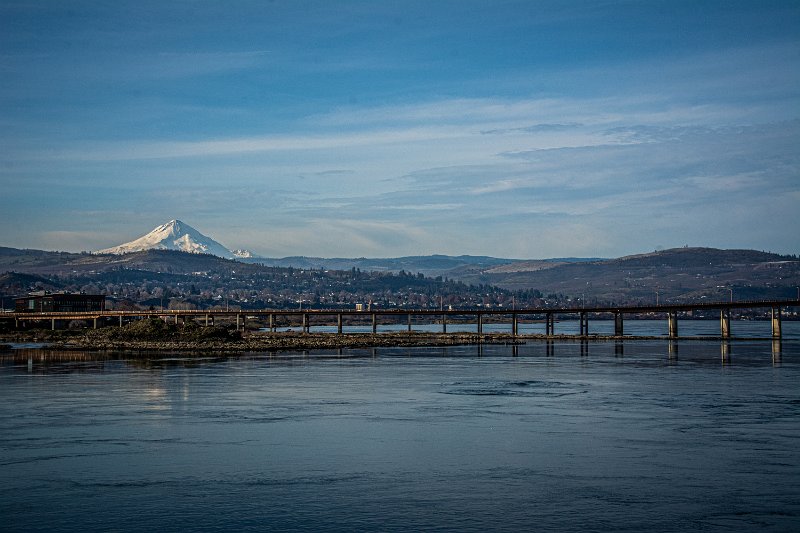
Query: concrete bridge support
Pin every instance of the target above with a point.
(53, 324)
(618, 324)
(549, 324)
(444, 323)
(374, 323)
(725, 323)
(306, 327)
(480, 323)
(339, 323)
(514, 324)
(672, 324)
(776, 322)
(409, 322)
(584, 324)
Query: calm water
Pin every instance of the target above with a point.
(693, 436)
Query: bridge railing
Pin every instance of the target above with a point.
(548, 314)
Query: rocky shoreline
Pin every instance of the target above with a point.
(276, 342)
(157, 336)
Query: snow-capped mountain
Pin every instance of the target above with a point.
(176, 235)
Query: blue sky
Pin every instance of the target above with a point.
(519, 129)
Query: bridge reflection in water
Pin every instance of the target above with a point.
(271, 317)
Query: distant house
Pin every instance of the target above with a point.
(59, 302)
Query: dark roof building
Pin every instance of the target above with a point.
(59, 302)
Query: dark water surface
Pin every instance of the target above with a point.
(640, 436)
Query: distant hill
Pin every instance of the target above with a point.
(181, 280)
(680, 274)
(153, 260)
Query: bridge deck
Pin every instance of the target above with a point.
(541, 311)
(242, 315)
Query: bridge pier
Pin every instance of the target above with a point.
(306, 327)
(672, 324)
(53, 324)
(584, 324)
(95, 323)
(120, 320)
(514, 324)
(618, 325)
(480, 323)
(339, 323)
(549, 324)
(776, 322)
(725, 323)
(444, 323)
(409, 322)
(206, 320)
(374, 323)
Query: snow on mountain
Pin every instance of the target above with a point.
(243, 254)
(175, 235)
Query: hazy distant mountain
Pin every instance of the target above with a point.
(177, 235)
(429, 265)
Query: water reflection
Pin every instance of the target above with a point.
(777, 352)
(619, 348)
(672, 350)
(39, 361)
(725, 351)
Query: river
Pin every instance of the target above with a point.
(638, 435)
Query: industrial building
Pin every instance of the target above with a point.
(59, 302)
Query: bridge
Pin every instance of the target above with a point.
(270, 317)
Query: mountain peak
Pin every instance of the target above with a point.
(174, 235)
